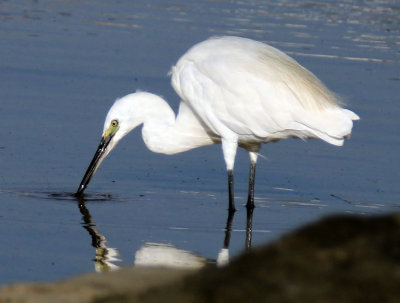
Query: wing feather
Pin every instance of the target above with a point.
(242, 87)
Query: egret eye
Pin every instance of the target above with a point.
(114, 123)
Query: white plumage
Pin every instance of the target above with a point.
(234, 91)
(249, 90)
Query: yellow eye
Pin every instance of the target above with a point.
(114, 123)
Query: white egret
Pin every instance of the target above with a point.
(237, 92)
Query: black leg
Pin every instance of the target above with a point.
(231, 192)
(250, 197)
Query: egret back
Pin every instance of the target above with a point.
(248, 90)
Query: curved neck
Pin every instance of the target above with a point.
(163, 133)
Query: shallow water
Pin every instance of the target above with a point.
(63, 63)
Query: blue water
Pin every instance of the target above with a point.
(63, 63)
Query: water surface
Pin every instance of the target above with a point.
(63, 63)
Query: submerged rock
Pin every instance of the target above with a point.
(339, 259)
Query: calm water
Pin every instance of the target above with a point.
(62, 63)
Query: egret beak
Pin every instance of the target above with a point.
(102, 151)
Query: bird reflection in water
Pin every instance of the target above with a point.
(105, 256)
(158, 254)
(223, 256)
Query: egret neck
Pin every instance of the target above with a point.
(164, 133)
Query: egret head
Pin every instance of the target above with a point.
(120, 120)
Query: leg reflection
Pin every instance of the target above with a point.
(249, 227)
(223, 256)
(228, 229)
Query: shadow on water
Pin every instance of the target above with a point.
(151, 254)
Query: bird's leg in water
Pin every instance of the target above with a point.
(231, 192)
(250, 197)
(253, 160)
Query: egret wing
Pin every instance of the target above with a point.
(246, 88)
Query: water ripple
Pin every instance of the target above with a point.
(63, 196)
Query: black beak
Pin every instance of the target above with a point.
(99, 156)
